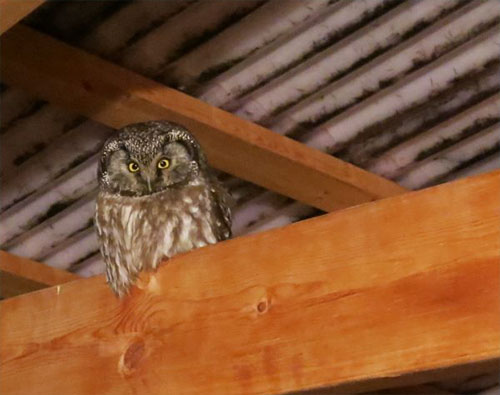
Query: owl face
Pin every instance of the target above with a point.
(146, 158)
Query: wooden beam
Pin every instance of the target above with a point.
(21, 275)
(12, 11)
(83, 83)
(12, 285)
(353, 300)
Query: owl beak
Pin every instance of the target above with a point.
(148, 180)
(147, 177)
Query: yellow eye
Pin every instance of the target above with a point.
(163, 164)
(133, 167)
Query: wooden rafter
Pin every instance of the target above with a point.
(20, 275)
(387, 293)
(12, 11)
(115, 96)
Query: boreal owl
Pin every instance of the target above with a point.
(157, 198)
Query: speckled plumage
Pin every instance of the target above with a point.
(146, 216)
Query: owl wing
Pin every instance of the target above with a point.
(223, 202)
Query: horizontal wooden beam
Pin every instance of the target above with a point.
(21, 275)
(12, 11)
(356, 299)
(83, 83)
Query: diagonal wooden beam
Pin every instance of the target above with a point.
(12, 11)
(72, 78)
(383, 294)
(21, 275)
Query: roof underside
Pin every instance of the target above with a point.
(408, 90)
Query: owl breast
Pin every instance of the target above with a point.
(138, 233)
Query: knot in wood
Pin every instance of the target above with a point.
(262, 306)
(133, 355)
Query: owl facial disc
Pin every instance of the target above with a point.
(149, 157)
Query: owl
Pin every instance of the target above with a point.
(157, 198)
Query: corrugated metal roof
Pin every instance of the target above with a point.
(406, 89)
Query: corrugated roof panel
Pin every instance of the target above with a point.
(332, 63)
(410, 91)
(46, 236)
(130, 23)
(53, 161)
(384, 70)
(423, 173)
(464, 93)
(303, 46)
(394, 161)
(48, 200)
(266, 25)
(406, 89)
(166, 43)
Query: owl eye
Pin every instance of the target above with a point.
(163, 163)
(133, 167)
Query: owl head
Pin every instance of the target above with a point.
(145, 158)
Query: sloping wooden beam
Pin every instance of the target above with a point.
(12, 285)
(366, 297)
(21, 275)
(72, 78)
(12, 11)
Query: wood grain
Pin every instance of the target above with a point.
(358, 299)
(83, 83)
(21, 275)
(12, 11)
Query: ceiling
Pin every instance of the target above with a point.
(406, 89)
